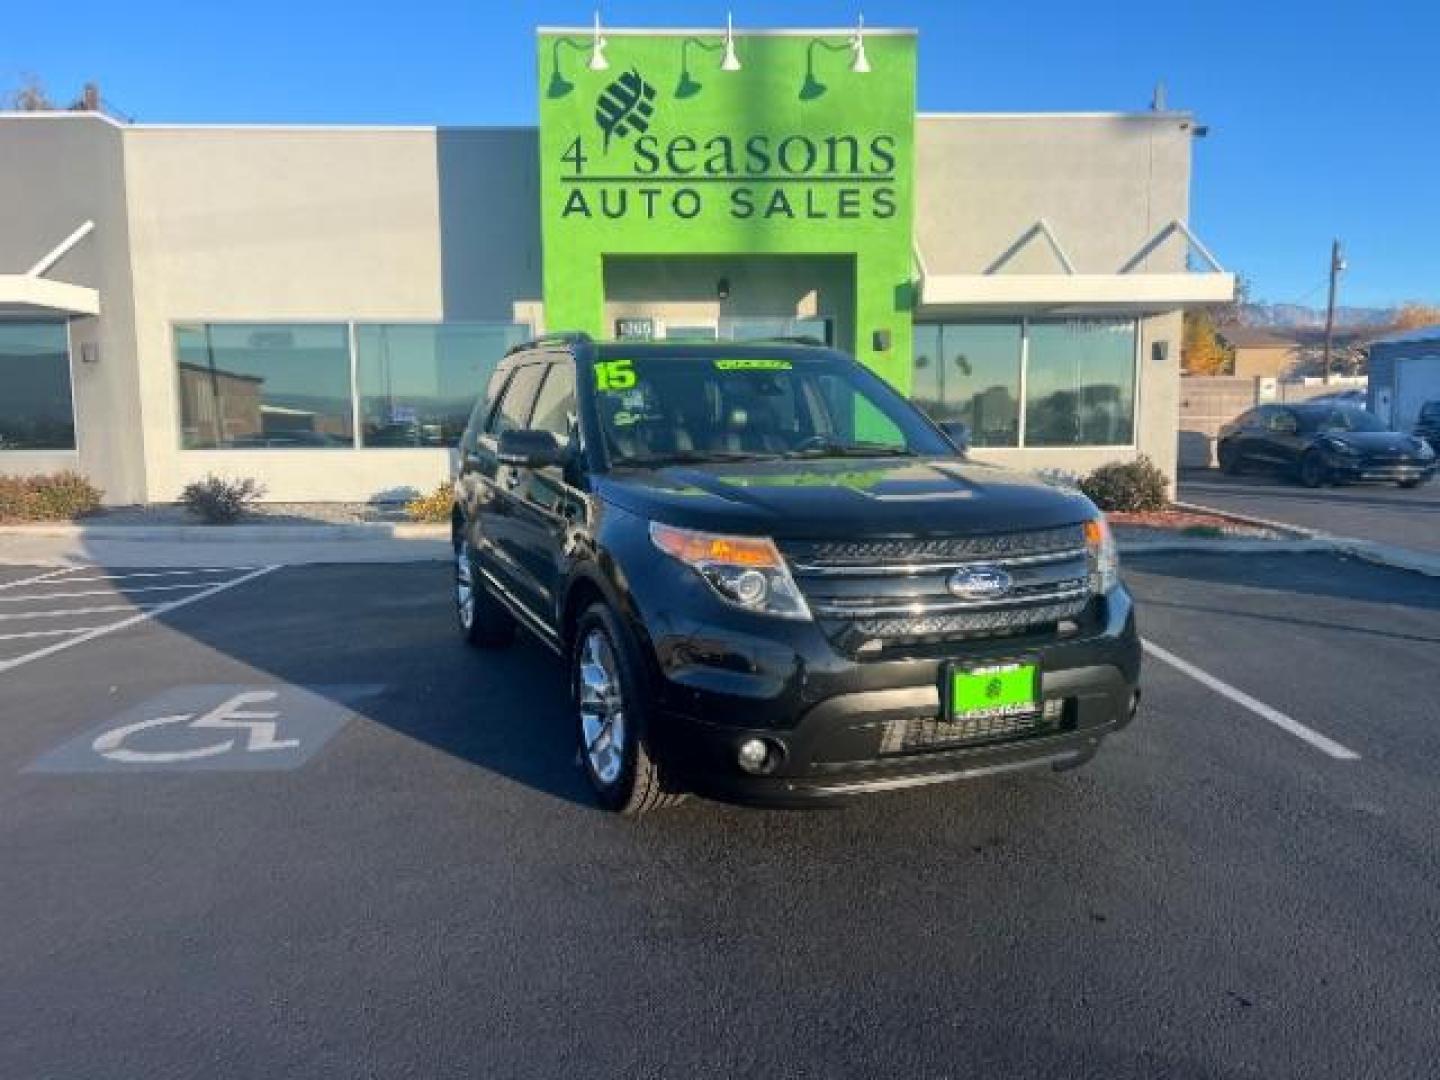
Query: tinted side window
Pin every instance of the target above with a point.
(517, 402)
(555, 407)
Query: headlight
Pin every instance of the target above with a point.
(1103, 556)
(1339, 446)
(746, 571)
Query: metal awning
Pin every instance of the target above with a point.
(32, 293)
(1071, 292)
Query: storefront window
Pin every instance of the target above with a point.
(35, 410)
(1080, 383)
(971, 372)
(264, 385)
(1079, 380)
(418, 382)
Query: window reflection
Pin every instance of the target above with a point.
(971, 372)
(1080, 383)
(253, 385)
(418, 382)
(1079, 379)
(35, 412)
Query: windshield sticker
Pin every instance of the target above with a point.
(614, 375)
(753, 365)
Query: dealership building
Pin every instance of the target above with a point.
(317, 307)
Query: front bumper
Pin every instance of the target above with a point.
(840, 726)
(1358, 469)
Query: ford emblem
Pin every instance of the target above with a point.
(979, 583)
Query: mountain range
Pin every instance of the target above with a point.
(1299, 317)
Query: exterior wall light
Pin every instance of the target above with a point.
(812, 87)
(859, 63)
(730, 62)
(597, 49)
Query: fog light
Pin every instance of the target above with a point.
(757, 756)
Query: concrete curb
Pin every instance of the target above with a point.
(1246, 519)
(232, 534)
(1391, 555)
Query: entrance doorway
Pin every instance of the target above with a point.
(730, 298)
(739, 328)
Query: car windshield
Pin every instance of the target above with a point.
(1340, 418)
(678, 408)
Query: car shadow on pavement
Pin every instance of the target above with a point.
(506, 710)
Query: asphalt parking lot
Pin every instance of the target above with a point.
(1383, 513)
(294, 828)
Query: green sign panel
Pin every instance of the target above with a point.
(795, 154)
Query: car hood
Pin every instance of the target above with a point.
(845, 497)
(1373, 442)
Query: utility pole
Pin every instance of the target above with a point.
(1337, 263)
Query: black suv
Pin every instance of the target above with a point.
(773, 579)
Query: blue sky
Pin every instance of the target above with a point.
(1321, 115)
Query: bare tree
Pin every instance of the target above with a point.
(30, 96)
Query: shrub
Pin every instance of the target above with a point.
(61, 497)
(1127, 485)
(217, 501)
(434, 508)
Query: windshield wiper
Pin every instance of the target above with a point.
(834, 448)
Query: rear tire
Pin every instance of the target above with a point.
(1313, 472)
(483, 620)
(612, 716)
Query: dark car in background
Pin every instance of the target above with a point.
(1427, 424)
(771, 578)
(1320, 442)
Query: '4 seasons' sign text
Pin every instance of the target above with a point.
(626, 171)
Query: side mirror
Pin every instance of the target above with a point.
(958, 432)
(529, 449)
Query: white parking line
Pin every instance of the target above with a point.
(60, 613)
(1323, 743)
(124, 590)
(160, 609)
(47, 633)
(145, 574)
(41, 577)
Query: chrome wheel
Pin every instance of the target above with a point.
(464, 586)
(602, 708)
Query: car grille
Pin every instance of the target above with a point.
(871, 595)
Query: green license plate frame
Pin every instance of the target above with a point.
(992, 688)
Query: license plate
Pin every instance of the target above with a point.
(1008, 689)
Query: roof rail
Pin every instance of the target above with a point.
(567, 337)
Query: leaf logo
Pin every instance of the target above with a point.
(624, 106)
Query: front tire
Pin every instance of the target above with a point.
(611, 717)
(1407, 484)
(484, 622)
(1313, 471)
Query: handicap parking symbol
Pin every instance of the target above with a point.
(212, 728)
